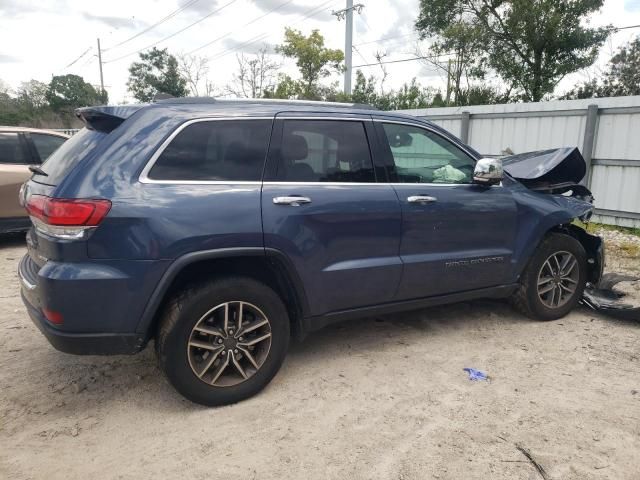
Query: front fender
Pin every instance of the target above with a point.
(540, 213)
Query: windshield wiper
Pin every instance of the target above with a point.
(36, 169)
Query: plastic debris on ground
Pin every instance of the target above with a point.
(618, 302)
(476, 375)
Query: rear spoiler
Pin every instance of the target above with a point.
(106, 118)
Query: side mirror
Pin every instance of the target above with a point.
(488, 171)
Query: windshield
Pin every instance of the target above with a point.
(68, 155)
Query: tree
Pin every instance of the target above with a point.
(32, 96)
(456, 36)
(195, 71)
(65, 93)
(621, 76)
(530, 44)
(255, 76)
(313, 59)
(156, 72)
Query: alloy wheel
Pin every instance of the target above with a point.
(229, 343)
(558, 279)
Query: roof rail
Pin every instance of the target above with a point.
(263, 101)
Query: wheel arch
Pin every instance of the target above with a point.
(265, 265)
(592, 244)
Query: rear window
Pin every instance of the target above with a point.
(62, 161)
(218, 150)
(46, 144)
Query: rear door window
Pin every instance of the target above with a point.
(215, 150)
(68, 155)
(46, 144)
(325, 151)
(11, 149)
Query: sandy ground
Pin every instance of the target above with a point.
(381, 398)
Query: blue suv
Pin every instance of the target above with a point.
(221, 229)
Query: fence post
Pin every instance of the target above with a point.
(589, 140)
(464, 127)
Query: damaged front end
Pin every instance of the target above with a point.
(557, 171)
(560, 172)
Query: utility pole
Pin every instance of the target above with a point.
(100, 64)
(347, 14)
(448, 82)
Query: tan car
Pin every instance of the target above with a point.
(21, 148)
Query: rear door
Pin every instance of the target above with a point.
(323, 208)
(456, 235)
(15, 158)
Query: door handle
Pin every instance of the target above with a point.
(293, 200)
(421, 199)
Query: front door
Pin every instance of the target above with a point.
(322, 207)
(456, 235)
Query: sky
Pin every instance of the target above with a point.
(39, 39)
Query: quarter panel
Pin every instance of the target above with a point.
(170, 220)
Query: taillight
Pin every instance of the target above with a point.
(53, 316)
(66, 218)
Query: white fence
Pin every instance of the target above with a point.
(607, 131)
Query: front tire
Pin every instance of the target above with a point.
(223, 341)
(553, 281)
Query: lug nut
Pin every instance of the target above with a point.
(230, 332)
(235, 350)
(219, 340)
(241, 338)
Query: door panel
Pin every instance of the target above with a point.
(343, 235)
(11, 179)
(456, 235)
(15, 159)
(344, 243)
(461, 241)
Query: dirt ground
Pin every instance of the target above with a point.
(383, 398)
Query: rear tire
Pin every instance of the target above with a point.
(213, 362)
(554, 279)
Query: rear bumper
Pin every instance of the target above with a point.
(96, 308)
(85, 343)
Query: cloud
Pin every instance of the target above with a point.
(8, 58)
(115, 22)
(293, 8)
(238, 46)
(199, 7)
(18, 8)
(632, 5)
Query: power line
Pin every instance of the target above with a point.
(385, 38)
(245, 25)
(358, 52)
(81, 55)
(403, 60)
(616, 29)
(173, 34)
(310, 13)
(151, 27)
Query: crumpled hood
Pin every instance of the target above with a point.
(546, 169)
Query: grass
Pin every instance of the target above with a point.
(630, 249)
(594, 227)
